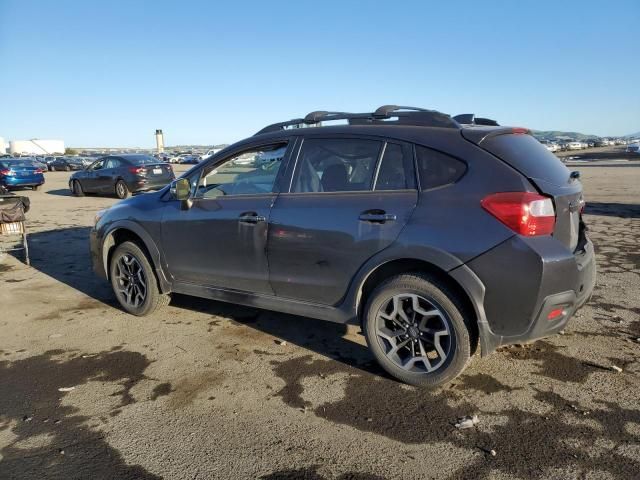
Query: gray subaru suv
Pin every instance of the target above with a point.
(436, 234)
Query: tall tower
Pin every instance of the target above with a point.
(159, 141)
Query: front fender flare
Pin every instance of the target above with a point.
(154, 252)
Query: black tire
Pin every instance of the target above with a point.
(153, 299)
(67, 168)
(451, 314)
(121, 189)
(76, 188)
(36, 187)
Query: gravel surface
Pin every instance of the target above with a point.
(209, 390)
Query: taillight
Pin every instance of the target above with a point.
(7, 172)
(526, 213)
(37, 170)
(138, 170)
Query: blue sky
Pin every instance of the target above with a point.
(110, 73)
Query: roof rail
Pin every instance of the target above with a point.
(386, 114)
(471, 119)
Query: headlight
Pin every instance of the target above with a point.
(98, 216)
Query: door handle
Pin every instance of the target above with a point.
(377, 216)
(251, 217)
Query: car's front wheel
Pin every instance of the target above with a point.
(417, 330)
(134, 282)
(76, 189)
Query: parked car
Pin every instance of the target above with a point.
(552, 147)
(188, 159)
(19, 172)
(574, 146)
(633, 148)
(67, 164)
(121, 175)
(369, 223)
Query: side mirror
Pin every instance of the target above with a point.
(181, 189)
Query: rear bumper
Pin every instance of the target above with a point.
(144, 184)
(33, 180)
(523, 282)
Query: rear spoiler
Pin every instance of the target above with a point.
(471, 119)
(478, 135)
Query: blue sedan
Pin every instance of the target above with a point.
(15, 172)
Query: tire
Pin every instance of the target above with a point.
(127, 260)
(67, 168)
(384, 335)
(76, 189)
(121, 189)
(36, 187)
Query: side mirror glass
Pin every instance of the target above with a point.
(181, 189)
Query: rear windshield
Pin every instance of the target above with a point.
(17, 163)
(528, 156)
(141, 159)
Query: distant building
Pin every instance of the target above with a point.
(3, 146)
(36, 147)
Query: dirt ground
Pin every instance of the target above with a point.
(207, 390)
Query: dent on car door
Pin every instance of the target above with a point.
(349, 199)
(220, 241)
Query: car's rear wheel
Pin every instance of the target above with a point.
(67, 168)
(134, 282)
(121, 189)
(36, 187)
(417, 330)
(76, 189)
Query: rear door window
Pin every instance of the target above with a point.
(436, 168)
(336, 165)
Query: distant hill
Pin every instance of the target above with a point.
(556, 134)
(632, 135)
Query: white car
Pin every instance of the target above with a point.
(211, 153)
(574, 146)
(633, 147)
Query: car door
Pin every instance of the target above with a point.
(88, 177)
(349, 198)
(220, 241)
(105, 179)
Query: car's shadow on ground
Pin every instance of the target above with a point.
(61, 192)
(622, 210)
(325, 338)
(64, 255)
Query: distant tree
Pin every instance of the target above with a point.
(70, 151)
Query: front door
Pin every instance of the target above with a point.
(220, 241)
(349, 199)
(90, 176)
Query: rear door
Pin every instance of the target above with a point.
(348, 199)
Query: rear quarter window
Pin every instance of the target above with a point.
(436, 169)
